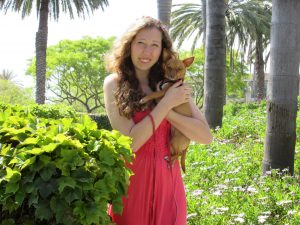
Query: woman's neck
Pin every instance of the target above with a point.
(142, 76)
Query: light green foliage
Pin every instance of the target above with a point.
(14, 94)
(224, 184)
(76, 71)
(59, 171)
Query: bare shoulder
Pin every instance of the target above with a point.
(110, 82)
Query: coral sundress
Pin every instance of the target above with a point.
(156, 194)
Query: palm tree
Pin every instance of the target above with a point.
(214, 69)
(44, 8)
(7, 75)
(247, 22)
(164, 11)
(283, 86)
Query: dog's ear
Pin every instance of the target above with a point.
(188, 61)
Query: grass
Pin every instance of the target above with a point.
(224, 183)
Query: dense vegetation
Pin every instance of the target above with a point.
(58, 168)
(223, 180)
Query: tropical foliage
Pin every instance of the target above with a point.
(46, 8)
(59, 171)
(235, 78)
(223, 180)
(75, 73)
(14, 94)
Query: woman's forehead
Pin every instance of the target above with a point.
(149, 33)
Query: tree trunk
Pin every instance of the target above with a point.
(164, 11)
(215, 53)
(282, 87)
(259, 74)
(41, 49)
(204, 20)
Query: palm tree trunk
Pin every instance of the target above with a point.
(259, 75)
(164, 11)
(204, 20)
(41, 49)
(282, 87)
(215, 52)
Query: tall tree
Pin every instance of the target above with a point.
(282, 87)
(75, 73)
(247, 22)
(7, 75)
(215, 56)
(44, 8)
(164, 11)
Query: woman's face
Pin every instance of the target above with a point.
(146, 49)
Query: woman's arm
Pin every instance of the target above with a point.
(195, 128)
(143, 130)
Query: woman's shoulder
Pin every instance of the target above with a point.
(110, 82)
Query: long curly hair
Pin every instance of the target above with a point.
(129, 93)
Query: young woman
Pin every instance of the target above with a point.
(156, 194)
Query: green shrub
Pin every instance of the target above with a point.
(224, 182)
(102, 121)
(59, 171)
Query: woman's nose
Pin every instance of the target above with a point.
(147, 49)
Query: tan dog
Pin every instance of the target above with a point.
(175, 69)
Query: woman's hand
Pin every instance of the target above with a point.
(177, 94)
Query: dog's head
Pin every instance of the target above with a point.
(175, 68)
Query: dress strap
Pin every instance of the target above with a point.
(152, 122)
(152, 212)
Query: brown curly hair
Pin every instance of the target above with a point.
(119, 61)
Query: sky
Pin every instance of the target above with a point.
(17, 38)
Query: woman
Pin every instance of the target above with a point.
(156, 193)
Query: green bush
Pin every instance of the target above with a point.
(224, 182)
(102, 121)
(59, 171)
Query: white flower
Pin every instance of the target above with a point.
(238, 215)
(191, 215)
(224, 209)
(217, 193)
(291, 212)
(262, 219)
(238, 188)
(251, 189)
(197, 192)
(239, 219)
(284, 202)
(266, 213)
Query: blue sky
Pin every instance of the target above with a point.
(17, 39)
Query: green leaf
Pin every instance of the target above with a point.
(50, 147)
(8, 222)
(28, 162)
(36, 151)
(46, 188)
(66, 182)
(30, 141)
(106, 157)
(12, 176)
(33, 199)
(11, 187)
(20, 196)
(47, 172)
(42, 210)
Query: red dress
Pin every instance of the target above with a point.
(156, 194)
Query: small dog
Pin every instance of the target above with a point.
(175, 69)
